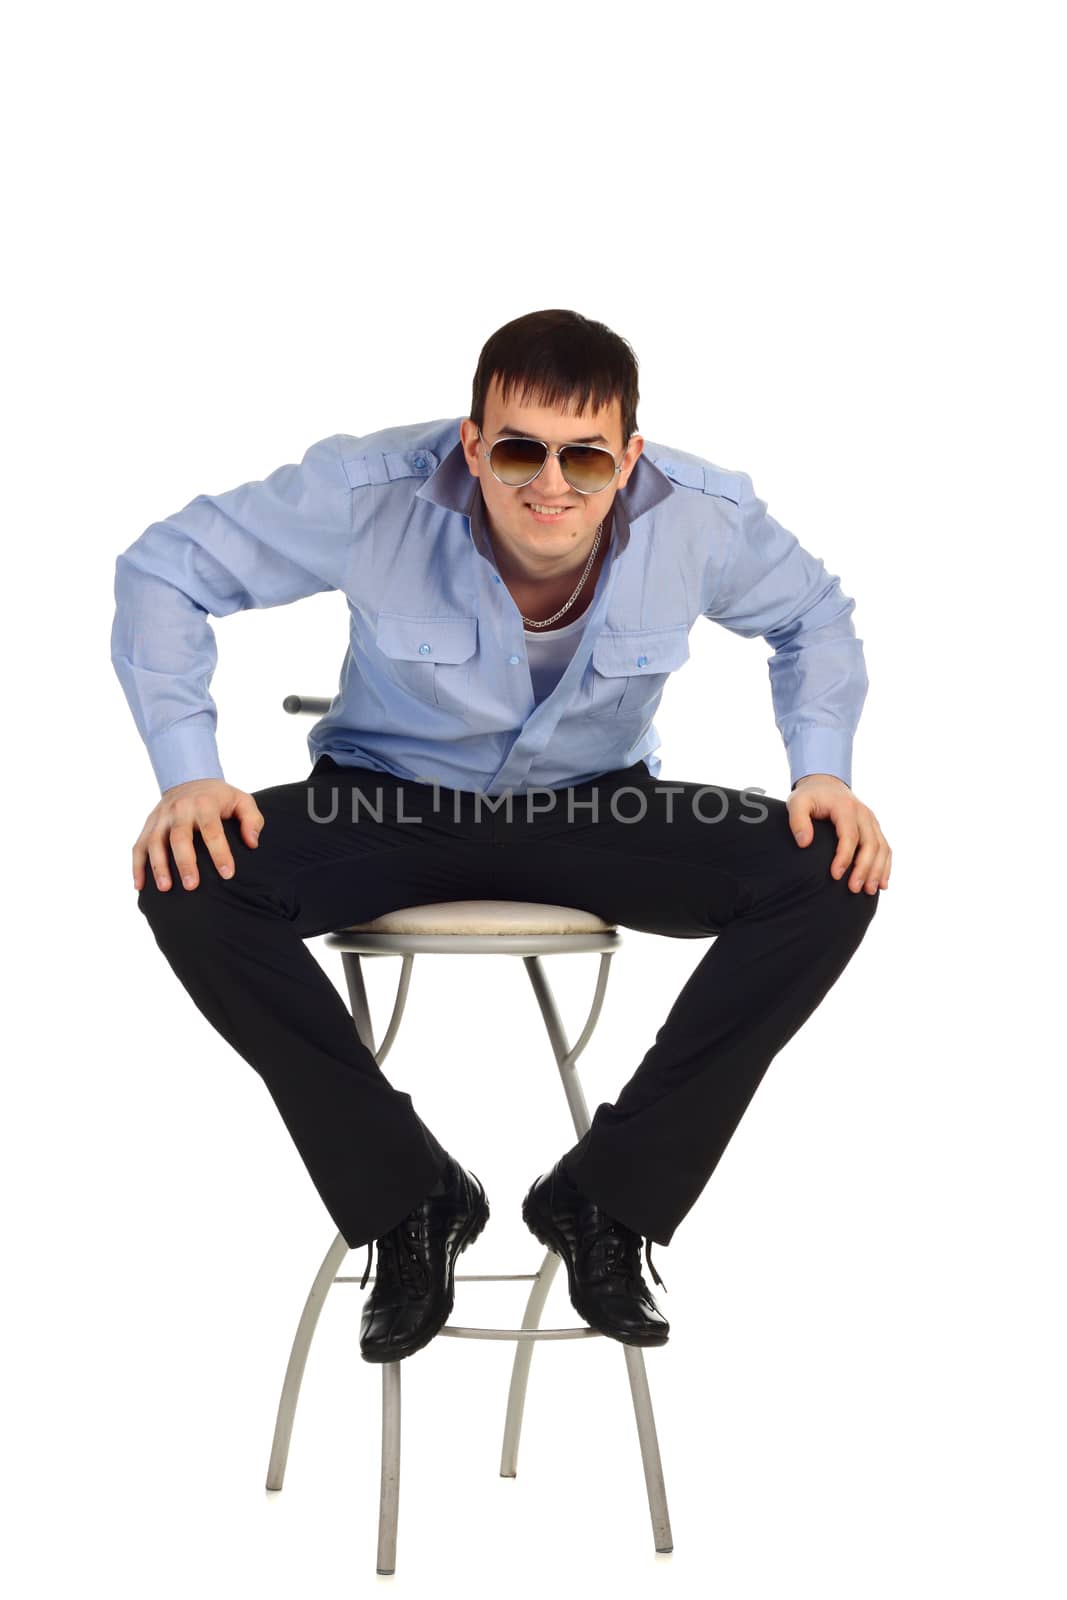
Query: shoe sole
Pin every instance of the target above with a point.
(548, 1236)
(477, 1221)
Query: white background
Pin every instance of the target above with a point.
(832, 235)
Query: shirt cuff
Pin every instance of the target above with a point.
(183, 752)
(820, 750)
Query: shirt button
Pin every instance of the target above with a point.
(514, 660)
(424, 649)
(419, 461)
(642, 661)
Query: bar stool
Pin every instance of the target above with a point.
(473, 927)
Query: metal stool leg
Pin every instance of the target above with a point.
(635, 1362)
(389, 1497)
(535, 1305)
(294, 1372)
(389, 1491)
(520, 1371)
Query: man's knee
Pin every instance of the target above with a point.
(179, 901)
(819, 857)
(176, 902)
(856, 904)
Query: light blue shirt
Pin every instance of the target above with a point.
(435, 685)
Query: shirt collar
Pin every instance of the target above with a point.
(452, 487)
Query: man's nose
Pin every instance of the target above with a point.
(550, 480)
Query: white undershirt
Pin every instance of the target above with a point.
(548, 651)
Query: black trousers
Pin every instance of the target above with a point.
(684, 860)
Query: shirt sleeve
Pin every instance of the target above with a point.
(265, 543)
(770, 586)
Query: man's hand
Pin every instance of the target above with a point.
(819, 794)
(201, 803)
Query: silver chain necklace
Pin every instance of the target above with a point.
(556, 615)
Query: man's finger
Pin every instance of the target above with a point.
(848, 838)
(157, 855)
(251, 819)
(184, 853)
(140, 856)
(214, 835)
(863, 866)
(800, 822)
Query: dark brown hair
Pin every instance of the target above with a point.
(562, 359)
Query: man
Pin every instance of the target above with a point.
(521, 584)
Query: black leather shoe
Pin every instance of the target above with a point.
(414, 1287)
(602, 1257)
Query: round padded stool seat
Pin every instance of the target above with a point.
(466, 917)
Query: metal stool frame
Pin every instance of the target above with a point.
(353, 944)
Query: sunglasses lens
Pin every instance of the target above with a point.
(586, 467)
(516, 461)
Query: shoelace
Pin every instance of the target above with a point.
(624, 1259)
(651, 1268)
(402, 1266)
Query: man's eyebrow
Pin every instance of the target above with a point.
(519, 433)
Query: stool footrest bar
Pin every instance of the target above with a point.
(519, 1333)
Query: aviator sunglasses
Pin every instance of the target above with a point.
(517, 461)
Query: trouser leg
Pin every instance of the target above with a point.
(785, 931)
(237, 947)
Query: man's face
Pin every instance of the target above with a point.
(542, 548)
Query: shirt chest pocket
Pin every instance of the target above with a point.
(629, 668)
(432, 658)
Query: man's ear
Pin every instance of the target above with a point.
(635, 445)
(468, 433)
